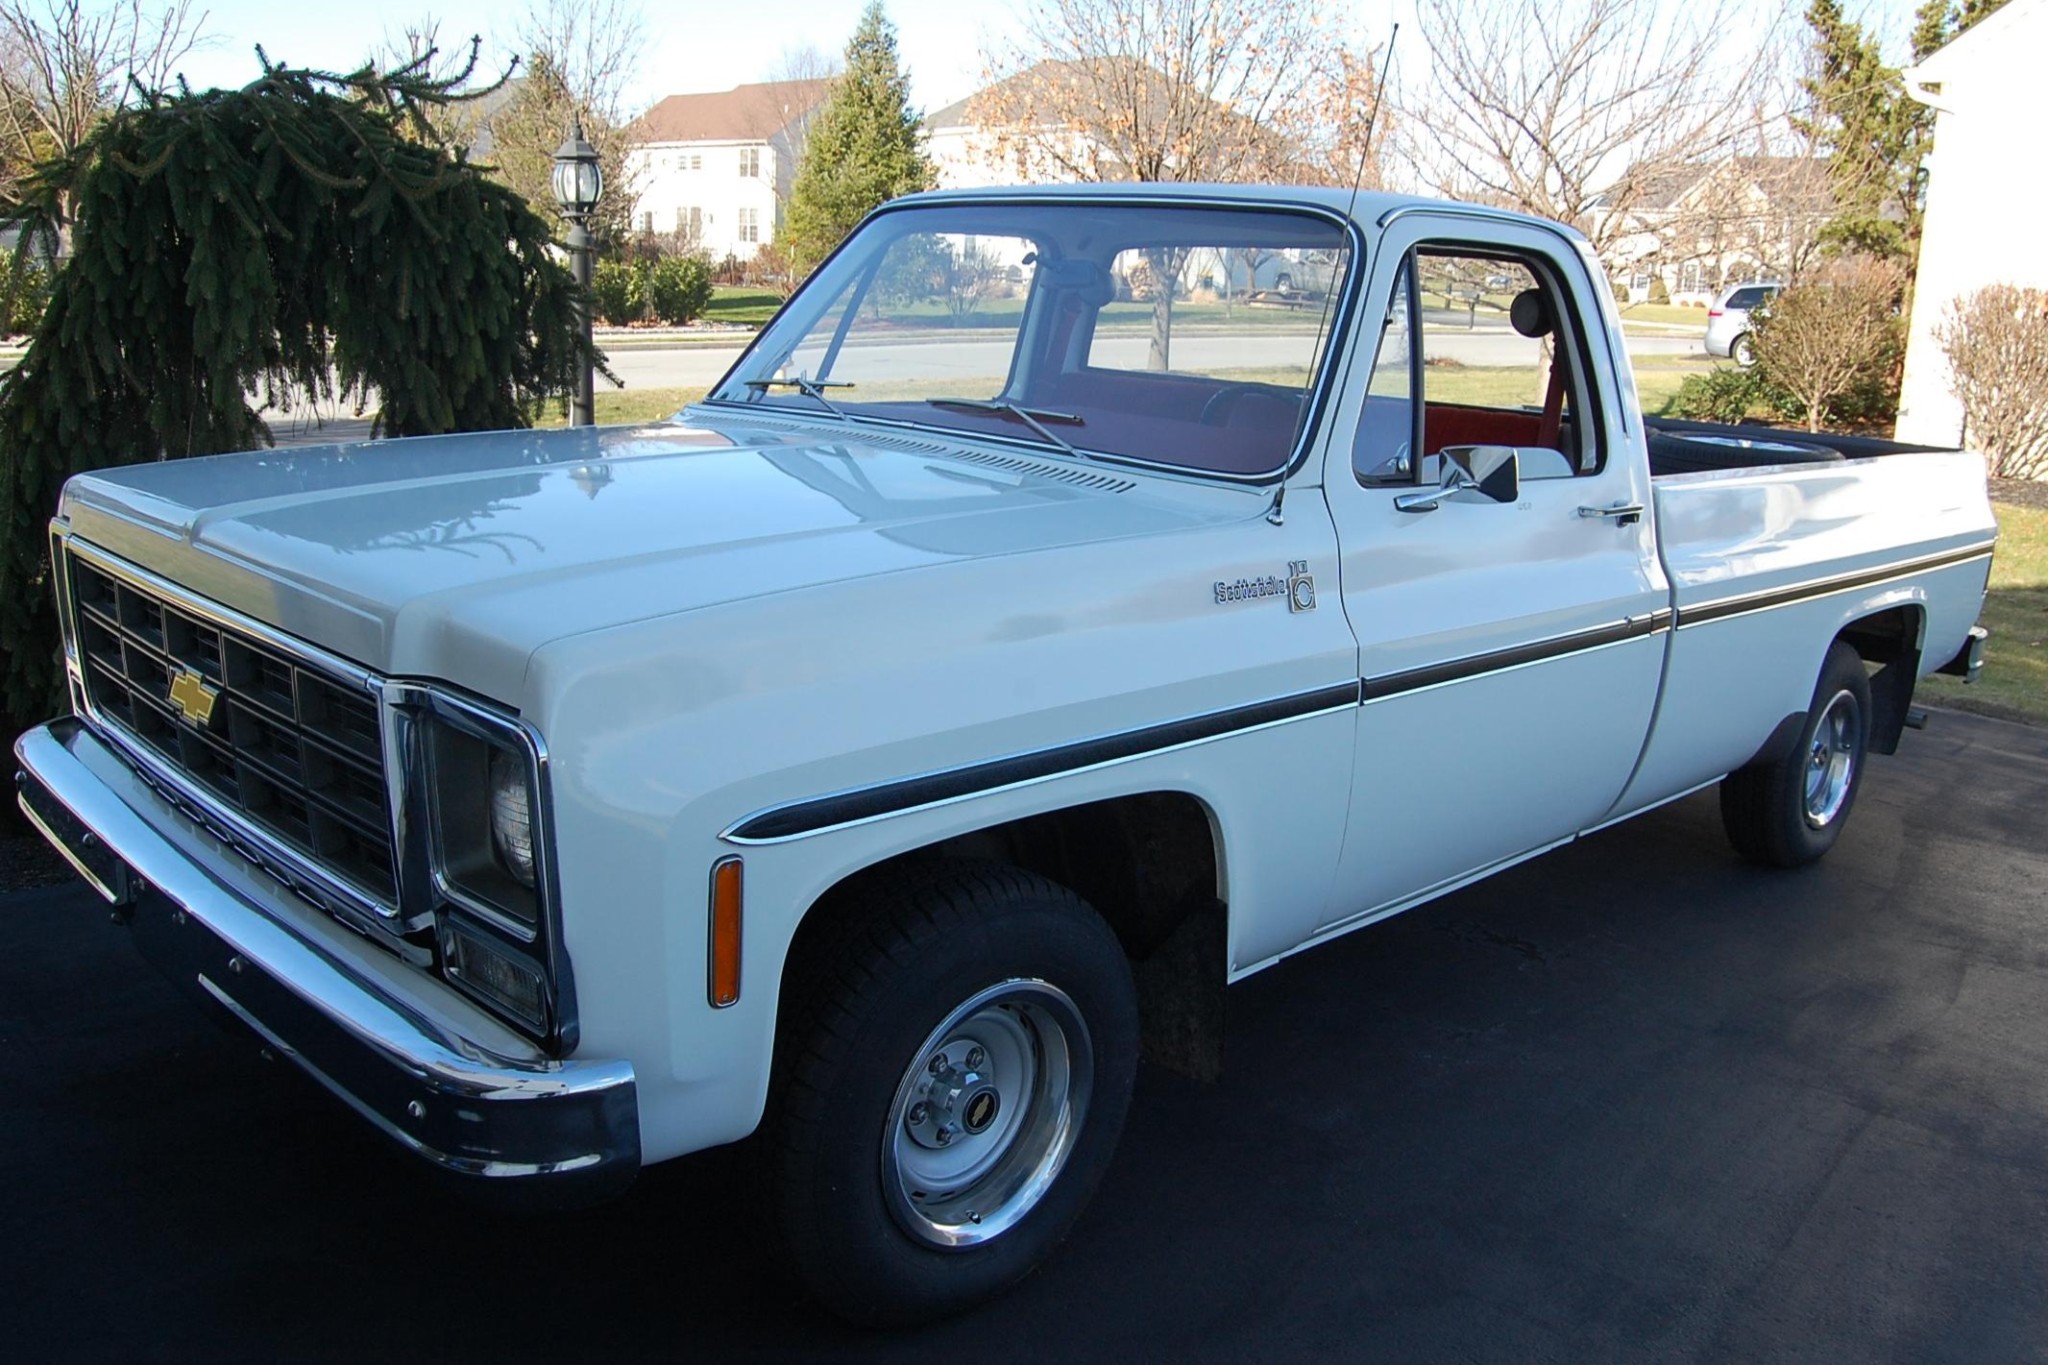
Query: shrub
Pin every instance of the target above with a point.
(1659, 291)
(679, 288)
(27, 295)
(1620, 289)
(1729, 395)
(618, 292)
(1833, 342)
(1996, 341)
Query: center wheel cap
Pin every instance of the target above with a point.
(981, 1110)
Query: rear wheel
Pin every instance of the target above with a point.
(1742, 352)
(954, 1079)
(1789, 812)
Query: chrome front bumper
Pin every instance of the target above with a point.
(567, 1131)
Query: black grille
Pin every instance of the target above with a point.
(296, 753)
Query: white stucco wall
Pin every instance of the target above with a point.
(1987, 195)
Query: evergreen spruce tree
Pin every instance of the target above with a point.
(863, 148)
(307, 235)
(1876, 136)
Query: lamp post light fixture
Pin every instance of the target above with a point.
(578, 182)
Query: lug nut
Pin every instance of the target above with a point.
(937, 1063)
(919, 1112)
(975, 1057)
(944, 1136)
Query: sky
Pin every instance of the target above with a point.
(700, 45)
(691, 46)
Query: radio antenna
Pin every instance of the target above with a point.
(1372, 119)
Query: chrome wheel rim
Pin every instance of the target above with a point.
(987, 1113)
(1831, 760)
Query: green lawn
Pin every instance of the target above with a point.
(736, 303)
(1664, 312)
(2014, 683)
(622, 407)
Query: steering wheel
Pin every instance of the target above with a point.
(1216, 411)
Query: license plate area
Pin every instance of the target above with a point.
(91, 858)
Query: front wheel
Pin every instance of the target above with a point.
(1789, 812)
(958, 1062)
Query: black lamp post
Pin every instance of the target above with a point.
(578, 183)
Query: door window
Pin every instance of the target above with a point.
(1490, 346)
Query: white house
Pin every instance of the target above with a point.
(1987, 204)
(717, 167)
(1704, 225)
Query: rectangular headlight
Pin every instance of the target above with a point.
(484, 799)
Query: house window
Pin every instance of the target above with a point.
(690, 221)
(750, 225)
(750, 163)
(647, 221)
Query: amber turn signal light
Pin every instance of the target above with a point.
(727, 890)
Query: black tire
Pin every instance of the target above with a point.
(1027, 997)
(1789, 812)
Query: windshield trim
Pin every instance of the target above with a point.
(1321, 401)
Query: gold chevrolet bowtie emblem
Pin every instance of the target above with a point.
(193, 697)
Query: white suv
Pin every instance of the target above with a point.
(1728, 319)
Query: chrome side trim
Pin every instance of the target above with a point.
(471, 1108)
(1513, 657)
(1741, 604)
(948, 786)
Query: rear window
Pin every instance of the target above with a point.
(1754, 297)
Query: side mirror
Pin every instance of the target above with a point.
(1490, 472)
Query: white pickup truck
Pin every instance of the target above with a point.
(876, 758)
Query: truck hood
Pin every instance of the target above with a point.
(456, 557)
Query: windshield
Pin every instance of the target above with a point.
(1181, 335)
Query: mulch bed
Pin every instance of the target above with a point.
(2021, 492)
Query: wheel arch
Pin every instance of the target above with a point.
(1892, 640)
(1150, 863)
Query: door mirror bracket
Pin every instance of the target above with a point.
(1491, 473)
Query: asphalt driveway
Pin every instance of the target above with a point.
(1636, 1100)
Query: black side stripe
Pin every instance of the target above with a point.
(1536, 651)
(889, 798)
(1822, 587)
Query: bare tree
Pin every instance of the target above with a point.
(1570, 109)
(1175, 90)
(65, 63)
(579, 58)
(1996, 341)
(594, 47)
(1819, 340)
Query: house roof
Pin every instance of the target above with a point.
(745, 113)
(1772, 176)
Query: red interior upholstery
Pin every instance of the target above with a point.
(1453, 424)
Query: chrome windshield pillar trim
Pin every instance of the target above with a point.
(496, 1110)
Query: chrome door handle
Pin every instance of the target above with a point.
(1624, 513)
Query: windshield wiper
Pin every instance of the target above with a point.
(809, 388)
(1035, 418)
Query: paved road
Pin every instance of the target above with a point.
(1633, 1101)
